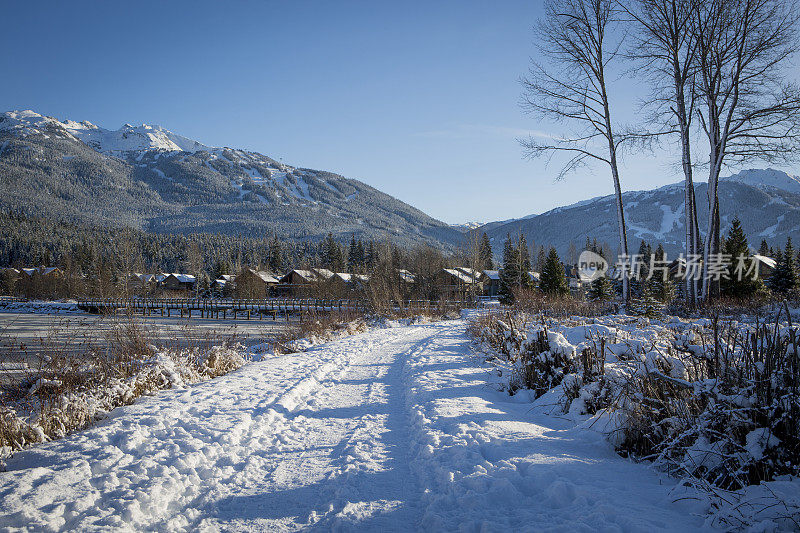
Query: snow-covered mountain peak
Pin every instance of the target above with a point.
(768, 177)
(128, 138)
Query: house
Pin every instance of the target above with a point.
(251, 283)
(225, 281)
(48, 272)
(455, 283)
(323, 274)
(476, 275)
(259, 276)
(406, 276)
(178, 282)
(491, 284)
(765, 265)
(137, 281)
(299, 277)
(296, 280)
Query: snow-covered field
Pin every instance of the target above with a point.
(41, 307)
(393, 429)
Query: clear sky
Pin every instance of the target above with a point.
(418, 99)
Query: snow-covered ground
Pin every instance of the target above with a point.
(40, 307)
(393, 429)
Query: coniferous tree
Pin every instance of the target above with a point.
(487, 261)
(540, 259)
(784, 278)
(600, 290)
(524, 257)
(764, 248)
(662, 286)
(510, 274)
(553, 280)
(735, 246)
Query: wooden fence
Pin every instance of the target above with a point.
(227, 308)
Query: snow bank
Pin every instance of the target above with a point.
(41, 307)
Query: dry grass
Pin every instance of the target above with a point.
(70, 381)
(717, 404)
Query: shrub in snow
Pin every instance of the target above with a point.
(714, 402)
(51, 408)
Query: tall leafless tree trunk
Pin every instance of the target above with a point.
(670, 53)
(569, 86)
(748, 109)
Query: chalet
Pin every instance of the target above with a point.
(299, 277)
(476, 275)
(350, 278)
(491, 284)
(454, 283)
(225, 281)
(323, 274)
(406, 276)
(765, 265)
(45, 272)
(138, 281)
(178, 282)
(250, 275)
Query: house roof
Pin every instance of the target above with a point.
(306, 275)
(474, 274)
(183, 278)
(461, 276)
(768, 261)
(324, 273)
(144, 277)
(492, 274)
(406, 276)
(263, 275)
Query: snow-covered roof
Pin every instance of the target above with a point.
(474, 274)
(305, 275)
(406, 276)
(461, 276)
(768, 261)
(492, 274)
(324, 273)
(183, 278)
(263, 275)
(535, 276)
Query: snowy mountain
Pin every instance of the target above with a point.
(767, 202)
(150, 178)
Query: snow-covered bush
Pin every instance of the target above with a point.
(68, 391)
(715, 402)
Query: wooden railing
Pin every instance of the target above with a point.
(227, 308)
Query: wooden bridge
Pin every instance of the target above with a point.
(245, 309)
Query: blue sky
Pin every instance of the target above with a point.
(418, 99)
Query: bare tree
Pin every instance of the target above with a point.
(575, 40)
(748, 110)
(669, 51)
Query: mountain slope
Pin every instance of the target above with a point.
(152, 179)
(766, 201)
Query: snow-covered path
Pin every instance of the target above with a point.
(395, 429)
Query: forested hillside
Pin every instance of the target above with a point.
(150, 179)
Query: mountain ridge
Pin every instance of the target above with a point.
(153, 179)
(767, 201)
